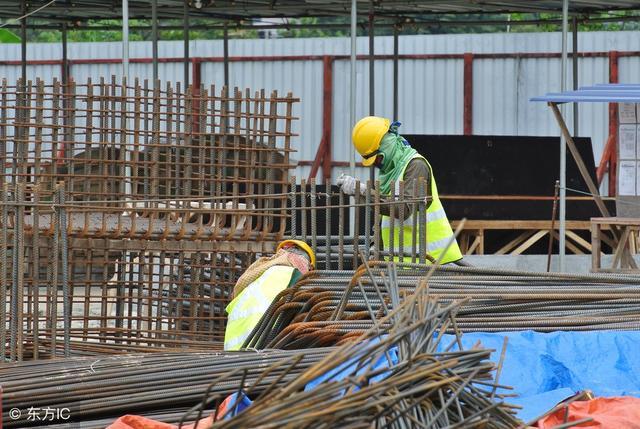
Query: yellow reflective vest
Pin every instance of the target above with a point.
(246, 310)
(439, 230)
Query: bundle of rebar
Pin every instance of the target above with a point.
(397, 374)
(106, 387)
(328, 307)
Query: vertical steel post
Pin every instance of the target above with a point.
(225, 48)
(125, 38)
(372, 80)
(154, 38)
(65, 55)
(23, 41)
(396, 53)
(563, 144)
(574, 64)
(352, 86)
(185, 35)
(468, 94)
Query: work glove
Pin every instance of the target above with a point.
(348, 185)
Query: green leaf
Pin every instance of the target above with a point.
(7, 36)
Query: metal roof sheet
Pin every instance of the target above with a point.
(603, 93)
(82, 10)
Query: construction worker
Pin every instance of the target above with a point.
(378, 142)
(260, 284)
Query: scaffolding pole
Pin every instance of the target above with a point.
(563, 145)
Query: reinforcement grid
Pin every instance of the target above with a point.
(129, 211)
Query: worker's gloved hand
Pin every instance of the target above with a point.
(348, 185)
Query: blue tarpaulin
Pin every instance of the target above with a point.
(545, 368)
(345, 370)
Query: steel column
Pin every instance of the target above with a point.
(613, 126)
(65, 58)
(396, 49)
(23, 41)
(154, 38)
(574, 63)
(225, 48)
(468, 94)
(352, 86)
(125, 38)
(327, 113)
(185, 35)
(563, 144)
(372, 80)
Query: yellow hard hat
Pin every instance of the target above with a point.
(301, 244)
(367, 135)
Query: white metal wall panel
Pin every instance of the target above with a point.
(430, 92)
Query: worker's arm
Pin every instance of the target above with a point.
(416, 170)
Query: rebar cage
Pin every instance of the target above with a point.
(128, 212)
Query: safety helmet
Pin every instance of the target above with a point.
(301, 244)
(367, 135)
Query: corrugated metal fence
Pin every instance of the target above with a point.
(506, 70)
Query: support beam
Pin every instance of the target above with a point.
(593, 189)
(396, 53)
(574, 63)
(323, 154)
(327, 113)
(563, 145)
(613, 126)
(225, 48)
(372, 79)
(23, 41)
(185, 35)
(125, 38)
(352, 86)
(468, 94)
(154, 38)
(65, 55)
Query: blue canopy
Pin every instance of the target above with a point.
(601, 93)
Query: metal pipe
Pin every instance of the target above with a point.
(352, 86)
(225, 47)
(396, 53)
(125, 38)
(23, 41)
(563, 145)
(185, 35)
(372, 80)
(154, 38)
(65, 59)
(574, 63)
(289, 26)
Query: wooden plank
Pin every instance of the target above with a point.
(579, 240)
(617, 257)
(624, 221)
(475, 245)
(519, 224)
(513, 243)
(569, 245)
(529, 242)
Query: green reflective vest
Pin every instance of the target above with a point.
(439, 230)
(246, 310)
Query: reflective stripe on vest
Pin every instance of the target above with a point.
(439, 231)
(246, 310)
